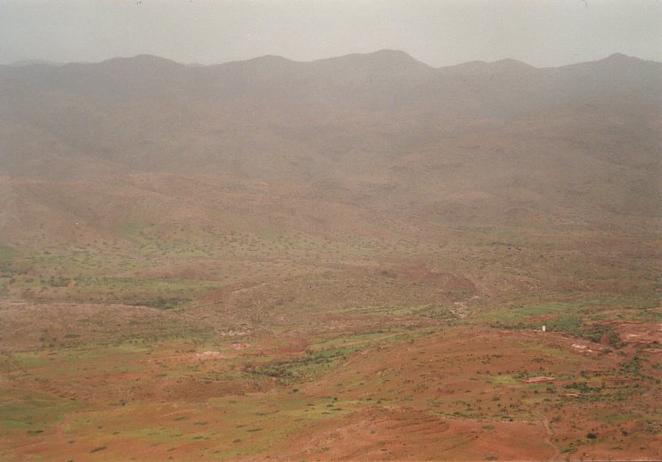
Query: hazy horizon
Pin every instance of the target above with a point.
(59, 63)
(544, 34)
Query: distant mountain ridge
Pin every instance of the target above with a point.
(471, 142)
(385, 53)
(385, 79)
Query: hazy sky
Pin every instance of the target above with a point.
(438, 32)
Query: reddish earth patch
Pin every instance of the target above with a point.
(239, 346)
(208, 355)
(460, 393)
(587, 349)
(640, 333)
(409, 434)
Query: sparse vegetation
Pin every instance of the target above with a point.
(347, 259)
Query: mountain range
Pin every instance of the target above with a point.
(473, 143)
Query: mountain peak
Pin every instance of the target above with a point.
(391, 53)
(142, 60)
(384, 60)
(511, 63)
(269, 59)
(620, 58)
(386, 55)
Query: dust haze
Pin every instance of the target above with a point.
(330, 231)
(439, 32)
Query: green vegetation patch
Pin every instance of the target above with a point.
(571, 318)
(504, 379)
(366, 339)
(259, 423)
(29, 359)
(326, 353)
(33, 414)
(156, 293)
(520, 316)
(7, 255)
(306, 367)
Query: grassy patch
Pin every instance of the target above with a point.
(504, 379)
(7, 255)
(157, 293)
(33, 414)
(258, 424)
(523, 316)
(572, 318)
(305, 367)
(29, 360)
